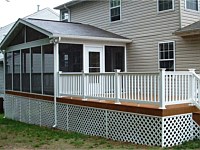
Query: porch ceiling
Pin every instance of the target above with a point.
(193, 29)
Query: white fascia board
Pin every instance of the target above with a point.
(92, 38)
(27, 24)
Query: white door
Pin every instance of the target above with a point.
(93, 59)
(93, 64)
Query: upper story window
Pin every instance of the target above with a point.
(167, 55)
(164, 5)
(65, 15)
(115, 10)
(192, 4)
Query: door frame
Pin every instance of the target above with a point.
(93, 48)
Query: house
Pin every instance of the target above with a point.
(108, 70)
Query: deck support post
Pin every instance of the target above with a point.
(162, 89)
(117, 86)
(83, 86)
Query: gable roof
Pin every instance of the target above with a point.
(55, 29)
(191, 29)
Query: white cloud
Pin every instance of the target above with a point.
(14, 9)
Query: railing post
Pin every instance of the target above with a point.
(162, 88)
(193, 90)
(83, 86)
(117, 86)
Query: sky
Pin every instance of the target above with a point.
(14, 9)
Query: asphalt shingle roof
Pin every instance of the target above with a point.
(72, 29)
(192, 27)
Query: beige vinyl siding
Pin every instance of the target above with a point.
(140, 21)
(146, 27)
(188, 53)
(188, 16)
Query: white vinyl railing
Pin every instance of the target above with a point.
(162, 88)
(195, 89)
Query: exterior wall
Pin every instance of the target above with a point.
(116, 125)
(188, 53)
(188, 16)
(146, 27)
(142, 23)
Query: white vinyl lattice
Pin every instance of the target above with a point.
(134, 128)
(47, 114)
(8, 106)
(62, 116)
(177, 129)
(196, 130)
(87, 120)
(24, 111)
(35, 112)
(121, 126)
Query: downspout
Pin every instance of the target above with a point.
(180, 15)
(55, 41)
(4, 78)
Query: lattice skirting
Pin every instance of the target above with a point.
(121, 126)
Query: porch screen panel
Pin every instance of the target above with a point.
(25, 56)
(48, 70)
(8, 70)
(16, 70)
(114, 58)
(71, 57)
(36, 84)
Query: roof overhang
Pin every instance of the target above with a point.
(69, 4)
(16, 27)
(90, 38)
(187, 32)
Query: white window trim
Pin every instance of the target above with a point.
(115, 7)
(173, 8)
(69, 15)
(174, 59)
(191, 10)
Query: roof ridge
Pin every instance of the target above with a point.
(52, 20)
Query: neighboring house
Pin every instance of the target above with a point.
(67, 74)
(45, 13)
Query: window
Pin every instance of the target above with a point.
(114, 58)
(115, 10)
(65, 15)
(71, 57)
(166, 55)
(165, 5)
(192, 4)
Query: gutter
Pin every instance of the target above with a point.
(92, 38)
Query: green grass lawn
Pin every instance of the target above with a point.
(17, 135)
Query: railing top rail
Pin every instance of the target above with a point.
(139, 73)
(196, 75)
(178, 73)
(70, 73)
